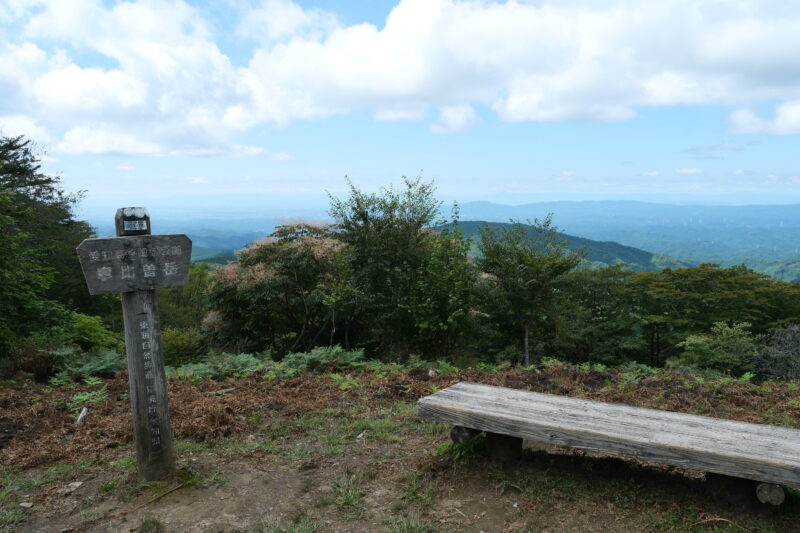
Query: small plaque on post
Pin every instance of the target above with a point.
(132, 221)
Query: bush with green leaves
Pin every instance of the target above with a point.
(727, 348)
(181, 345)
(71, 363)
(80, 400)
(73, 328)
(220, 366)
(777, 356)
(325, 359)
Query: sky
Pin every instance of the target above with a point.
(253, 107)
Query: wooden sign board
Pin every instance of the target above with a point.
(144, 262)
(135, 264)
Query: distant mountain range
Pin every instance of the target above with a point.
(766, 238)
(721, 234)
(597, 253)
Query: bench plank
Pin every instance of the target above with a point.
(754, 451)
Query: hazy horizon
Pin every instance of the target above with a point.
(309, 207)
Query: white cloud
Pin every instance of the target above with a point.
(83, 140)
(455, 119)
(400, 112)
(651, 173)
(164, 85)
(196, 180)
(85, 90)
(278, 20)
(16, 125)
(126, 167)
(785, 122)
(688, 171)
(281, 156)
(568, 173)
(738, 172)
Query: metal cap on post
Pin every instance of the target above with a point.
(132, 221)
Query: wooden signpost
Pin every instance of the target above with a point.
(135, 264)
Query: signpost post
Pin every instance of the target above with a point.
(135, 264)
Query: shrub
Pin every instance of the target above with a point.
(31, 359)
(181, 345)
(220, 366)
(727, 349)
(324, 359)
(778, 354)
(76, 329)
(73, 363)
(80, 399)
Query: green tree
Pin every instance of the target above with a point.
(778, 353)
(43, 213)
(675, 303)
(185, 306)
(727, 348)
(273, 296)
(443, 295)
(388, 241)
(525, 262)
(598, 320)
(24, 306)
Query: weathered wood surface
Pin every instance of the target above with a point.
(135, 264)
(770, 493)
(754, 451)
(142, 262)
(147, 381)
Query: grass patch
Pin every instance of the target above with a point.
(151, 525)
(473, 449)
(134, 489)
(349, 496)
(243, 447)
(411, 524)
(309, 423)
(10, 518)
(302, 524)
(196, 476)
(378, 429)
(108, 486)
(12, 479)
(430, 429)
(333, 444)
(82, 399)
(345, 382)
(418, 490)
(190, 446)
(404, 409)
(504, 484)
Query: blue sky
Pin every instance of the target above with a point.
(252, 107)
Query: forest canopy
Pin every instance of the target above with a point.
(387, 276)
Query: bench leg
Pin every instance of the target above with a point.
(770, 493)
(503, 447)
(460, 434)
(738, 491)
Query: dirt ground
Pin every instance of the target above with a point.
(317, 453)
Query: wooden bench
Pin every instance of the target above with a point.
(766, 454)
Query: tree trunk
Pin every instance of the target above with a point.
(526, 351)
(333, 328)
(658, 345)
